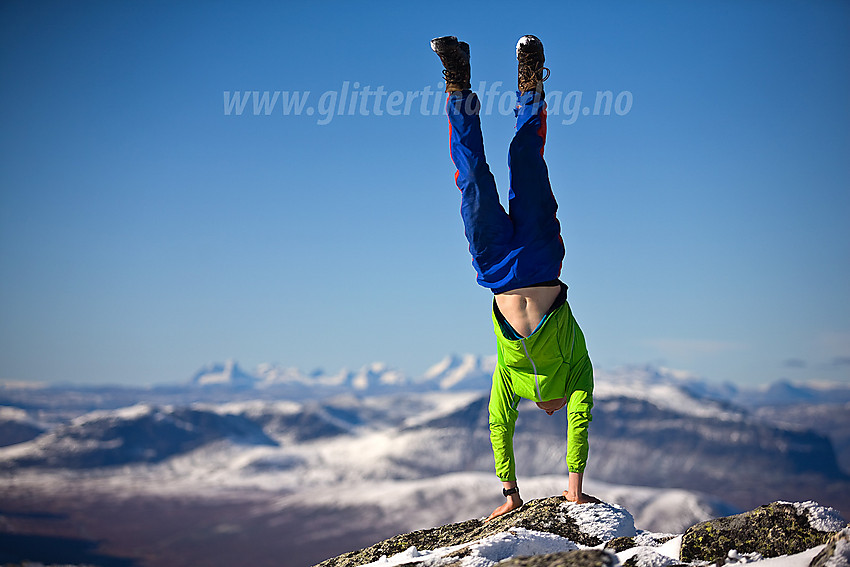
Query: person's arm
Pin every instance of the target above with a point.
(574, 494)
(578, 420)
(503, 416)
(577, 442)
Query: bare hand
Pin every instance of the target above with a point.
(581, 498)
(509, 505)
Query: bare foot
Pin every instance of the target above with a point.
(581, 499)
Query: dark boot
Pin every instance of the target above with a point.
(455, 57)
(530, 70)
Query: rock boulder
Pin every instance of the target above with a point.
(773, 530)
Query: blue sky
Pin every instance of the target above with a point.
(144, 232)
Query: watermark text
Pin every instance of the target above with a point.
(354, 99)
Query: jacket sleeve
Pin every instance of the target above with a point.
(503, 416)
(578, 419)
(577, 443)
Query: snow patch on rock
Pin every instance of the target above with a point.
(821, 518)
(605, 521)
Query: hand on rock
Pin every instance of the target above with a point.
(509, 505)
(582, 498)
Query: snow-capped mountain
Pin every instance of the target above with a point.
(453, 373)
(400, 454)
(227, 374)
(467, 372)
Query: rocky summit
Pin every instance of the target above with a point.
(553, 532)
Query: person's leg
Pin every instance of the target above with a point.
(487, 226)
(532, 205)
(531, 199)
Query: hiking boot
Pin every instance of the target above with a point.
(530, 70)
(455, 57)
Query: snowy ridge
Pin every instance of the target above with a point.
(666, 389)
(136, 434)
(14, 414)
(130, 413)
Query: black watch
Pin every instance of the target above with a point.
(508, 491)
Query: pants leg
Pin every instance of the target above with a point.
(532, 204)
(531, 198)
(487, 226)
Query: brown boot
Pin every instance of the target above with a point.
(530, 70)
(455, 57)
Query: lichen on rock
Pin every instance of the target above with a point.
(443, 536)
(772, 530)
(619, 544)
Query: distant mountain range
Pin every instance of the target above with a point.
(471, 372)
(670, 447)
(453, 373)
(651, 427)
(228, 381)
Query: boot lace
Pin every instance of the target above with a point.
(456, 69)
(453, 76)
(531, 70)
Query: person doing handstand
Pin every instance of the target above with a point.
(518, 254)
